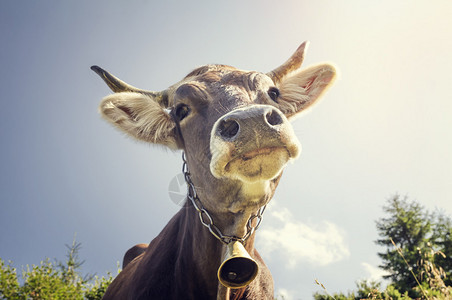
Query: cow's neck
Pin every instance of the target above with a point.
(230, 204)
(203, 253)
(209, 259)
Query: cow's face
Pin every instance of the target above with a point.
(232, 124)
(232, 118)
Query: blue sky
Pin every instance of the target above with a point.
(384, 128)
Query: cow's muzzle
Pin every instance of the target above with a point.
(252, 143)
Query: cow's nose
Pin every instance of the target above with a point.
(273, 117)
(255, 117)
(228, 129)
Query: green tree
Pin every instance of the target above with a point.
(418, 255)
(9, 285)
(417, 244)
(59, 280)
(408, 226)
(442, 239)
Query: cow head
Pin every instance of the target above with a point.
(232, 124)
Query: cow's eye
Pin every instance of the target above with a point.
(273, 93)
(181, 111)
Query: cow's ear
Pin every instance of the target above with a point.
(141, 117)
(301, 89)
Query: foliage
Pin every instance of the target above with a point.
(366, 290)
(372, 291)
(59, 280)
(442, 239)
(417, 257)
(9, 285)
(417, 247)
(408, 227)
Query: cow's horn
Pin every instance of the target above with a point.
(293, 63)
(117, 86)
(238, 268)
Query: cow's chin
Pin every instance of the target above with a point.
(255, 166)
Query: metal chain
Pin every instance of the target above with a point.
(206, 218)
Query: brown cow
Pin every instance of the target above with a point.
(233, 128)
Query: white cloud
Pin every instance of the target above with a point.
(374, 273)
(319, 244)
(285, 294)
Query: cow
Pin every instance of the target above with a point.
(233, 128)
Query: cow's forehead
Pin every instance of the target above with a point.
(227, 75)
(218, 80)
(218, 69)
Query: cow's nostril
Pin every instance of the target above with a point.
(228, 128)
(273, 118)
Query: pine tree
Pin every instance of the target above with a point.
(418, 246)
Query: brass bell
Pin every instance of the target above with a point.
(238, 268)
